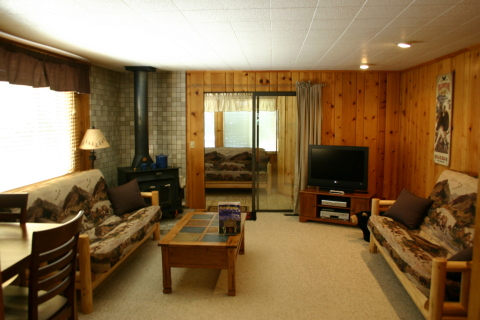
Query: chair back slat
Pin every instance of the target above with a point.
(53, 267)
(15, 201)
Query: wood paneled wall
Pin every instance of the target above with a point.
(355, 108)
(393, 113)
(416, 169)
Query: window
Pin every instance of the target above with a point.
(209, 129)
(237, 129)
(37, 134)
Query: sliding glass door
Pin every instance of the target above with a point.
(273, 147)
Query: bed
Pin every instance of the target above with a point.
(229, 167)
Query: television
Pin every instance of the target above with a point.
(339, 168)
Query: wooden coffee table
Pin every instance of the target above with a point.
(194, 242)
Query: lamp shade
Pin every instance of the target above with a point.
(94, 139)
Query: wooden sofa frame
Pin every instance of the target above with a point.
(212, 184)
(433, 307)
(86, 280)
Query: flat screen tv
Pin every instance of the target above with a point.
(342, 168)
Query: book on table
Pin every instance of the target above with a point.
(229, 218)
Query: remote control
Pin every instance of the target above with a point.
(337, 192)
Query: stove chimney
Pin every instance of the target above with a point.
(141, 115)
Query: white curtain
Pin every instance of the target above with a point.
(309, 131)
(230, 102)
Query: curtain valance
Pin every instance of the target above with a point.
(231, 102)
(20, 65)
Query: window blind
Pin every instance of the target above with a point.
(38, 135)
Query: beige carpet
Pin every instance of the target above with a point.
(290, 270)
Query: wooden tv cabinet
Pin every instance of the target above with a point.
(314, 200)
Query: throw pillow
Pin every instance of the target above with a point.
(464, 255)
(126, 198)
(409, 209)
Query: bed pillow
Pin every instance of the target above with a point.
(126, 198)
(409, 209)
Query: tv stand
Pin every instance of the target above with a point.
(324, 206)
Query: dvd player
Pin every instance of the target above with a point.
(334, 215)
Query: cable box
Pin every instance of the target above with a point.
(334, 203)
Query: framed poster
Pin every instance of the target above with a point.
(443, 119)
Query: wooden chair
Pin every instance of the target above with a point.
(13, 201)
(51, 288)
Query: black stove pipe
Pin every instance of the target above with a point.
(141, 115)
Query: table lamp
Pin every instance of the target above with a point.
(93, 140)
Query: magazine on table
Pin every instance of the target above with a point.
(229, 218)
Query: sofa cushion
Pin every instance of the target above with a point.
(126, 198)
(411, 252)
(451, 218)
(59, 199)
(115, 237)
(409, 209)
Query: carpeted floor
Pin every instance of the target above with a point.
(290, 270)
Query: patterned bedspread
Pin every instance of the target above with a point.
(233, 164)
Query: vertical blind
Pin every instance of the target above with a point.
(37, 134)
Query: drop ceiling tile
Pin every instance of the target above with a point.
(250, 25)
(292, 14)
(161, 17)
(253, 35)
(289, 34)
(39, 7)
(246, 4)
(369, 23)
(248, 15)
(359, 35)
(341, 24)
(293, 4)
(336, 13)
(388, 3)
(212, 27)
(465, 10)
(408, 23)
(424, 12)
(381, 12)
(343, 3)
(105, 6)
(198, 4)
(291, 25)
(151, 5)
(205, 15)
(451, 22)
(318, 34)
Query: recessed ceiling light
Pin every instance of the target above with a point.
(404, 45)
(364, 66)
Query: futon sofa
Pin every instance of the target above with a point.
(428, 243)
(228, 167)
(111, 231)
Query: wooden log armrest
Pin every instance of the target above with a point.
(86, 281)
(376, 205)
(83, 281)
(438, 307)
(152, 195)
